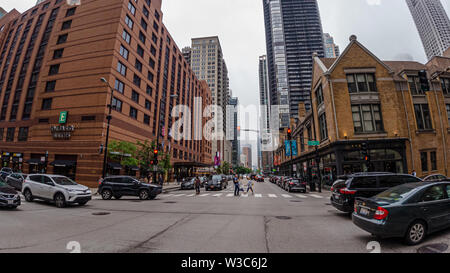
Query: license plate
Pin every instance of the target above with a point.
(212, 187)
(10, 202)
(364, 211)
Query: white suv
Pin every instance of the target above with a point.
(57, 188)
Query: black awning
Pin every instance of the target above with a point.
(133, 168)
(63, 163)
(114, 166)
(34, 161)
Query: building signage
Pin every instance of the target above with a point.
(287, 145)
(62, 117)
(294, 147)
(313, 143)
(62, 131)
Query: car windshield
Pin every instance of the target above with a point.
(60, 180)
(396, 194)
(217, 177)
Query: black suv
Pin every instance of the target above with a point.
(119, 186)
(347, 188)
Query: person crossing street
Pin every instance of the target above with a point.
(250, 186)
(197, 185)
(236, 185)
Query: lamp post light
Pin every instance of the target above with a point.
(108, 118)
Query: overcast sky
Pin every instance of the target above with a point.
(384, 26)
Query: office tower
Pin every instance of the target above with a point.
(53, 105)
(266, 157)
(187, 54)
(293, 34)
(331, 50)
(208, 64)
(433, 25)
(247, 151)
(236, 145)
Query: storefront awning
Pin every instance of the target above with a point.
(114, 166)
(63, 163)
(34, 161)
(133, 168)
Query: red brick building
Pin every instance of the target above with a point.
(52, 58)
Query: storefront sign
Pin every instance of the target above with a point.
(313, 143)
(62, 131)
(62, 117)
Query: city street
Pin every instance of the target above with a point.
(272, 221)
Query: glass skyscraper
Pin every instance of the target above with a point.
(293, 34)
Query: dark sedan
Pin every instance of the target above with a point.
(9, 197)
(296, 185)
(16, 180)
(216, 182)
(411, 211)
(188, 184)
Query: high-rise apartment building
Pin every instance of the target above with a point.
(53, 105)
(265, 157)
(331, 50)
(293, 34)
(236, 145)
(208, 64)
(433, 25)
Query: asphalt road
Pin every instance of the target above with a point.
(272, 220)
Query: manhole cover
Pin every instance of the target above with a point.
(100, 213)
(170, 202)
(296, 201)
(433, 248)
(283, 217)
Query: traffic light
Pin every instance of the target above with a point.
(289, 133)
(364, 150)
(424, 84)
(155, 152)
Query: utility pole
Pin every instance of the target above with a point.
(108, 117)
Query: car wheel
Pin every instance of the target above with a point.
(106, 194)
(416, 233)
(117, 197)
(143, 195)
(60, 200)
(28, 195)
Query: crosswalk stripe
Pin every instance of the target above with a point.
(286, 196)
(178, 195)
(168, 195)
(272, 195)
(316, 196)
(301, 196)
(218, 195)
(230, 194)
(244, 195)
(190, 195)
(205, 194)
(258, 195)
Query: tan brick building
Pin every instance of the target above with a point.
(359, 100)
(51, 60)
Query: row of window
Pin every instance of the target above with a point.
(10, 132)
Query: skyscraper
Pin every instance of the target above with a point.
(265, 157)
(236, 145)
(330, 48)
(433, 25)
(293, 34)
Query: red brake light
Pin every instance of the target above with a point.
(346, 191)
(380, 214)
(100, 181)
(332, 188)
(292, 183)
(356, 207)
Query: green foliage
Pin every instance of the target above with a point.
(123, 152)
(225, 167)
(145, 153)
(242, 170)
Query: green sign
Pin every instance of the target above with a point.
(313, 143)
(63, 117)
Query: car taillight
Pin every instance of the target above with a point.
(292, 183)
(356, 207)
(332, 188)
(346, 191)
(380, 213)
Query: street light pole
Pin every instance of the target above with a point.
(108, 117)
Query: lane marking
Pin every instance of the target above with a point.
(178, 195)
(168, 194)
(302, 196)
(316, 196)
(245, 195)
(230, 194)
(258, 195)
(205, 194)
(218, 195)
(190, 195)
(272, 195)
(286, 196)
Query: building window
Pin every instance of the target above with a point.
(319, 95)
(414, 85)
(367, 118)
(23, 134)
(144, 24)
(2, 132)
(129, 22)
(126, 36)
(137, 80)
(62, 39)
(66, 25)
(135, 96)
(70, 12)
(138, 65)
(58, 53)
(131, 8)
(151, 62)
(361, 83)
(424, 161)
(148, 105)
(47, 104)
(140, 51)
(448, 113)
(119, 86)
(145, 11)
(133, 112)
(54, 69)
(153, 50)
(445, 82)
(123, 52)
(50, 86)
(433, 161)
(146, 119)
(149, 91)
(142, 37)
(10, 134)
(423, 117)
(150, 76)
(116, 105)
(121, 68)
(323, 127)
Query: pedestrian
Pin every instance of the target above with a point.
(197, 185)
(250, 186)
(236, 186)
(414, 173)
(161, 180)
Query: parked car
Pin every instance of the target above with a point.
(435, 178)
(346, 189)
(296, 185)
(411, 211)
(285, 182)
(259, 178)
(119, 186)
(4, 172)
(55, 188)
(216, 182)
(9, 197)
(16, 180)
(188, 183)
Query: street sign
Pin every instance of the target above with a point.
(62, 117)
(313, 143)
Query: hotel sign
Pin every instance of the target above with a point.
(62, 117)
(62, 131)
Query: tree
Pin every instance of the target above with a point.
(123, 152)
(225, 167)
(145, 156)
